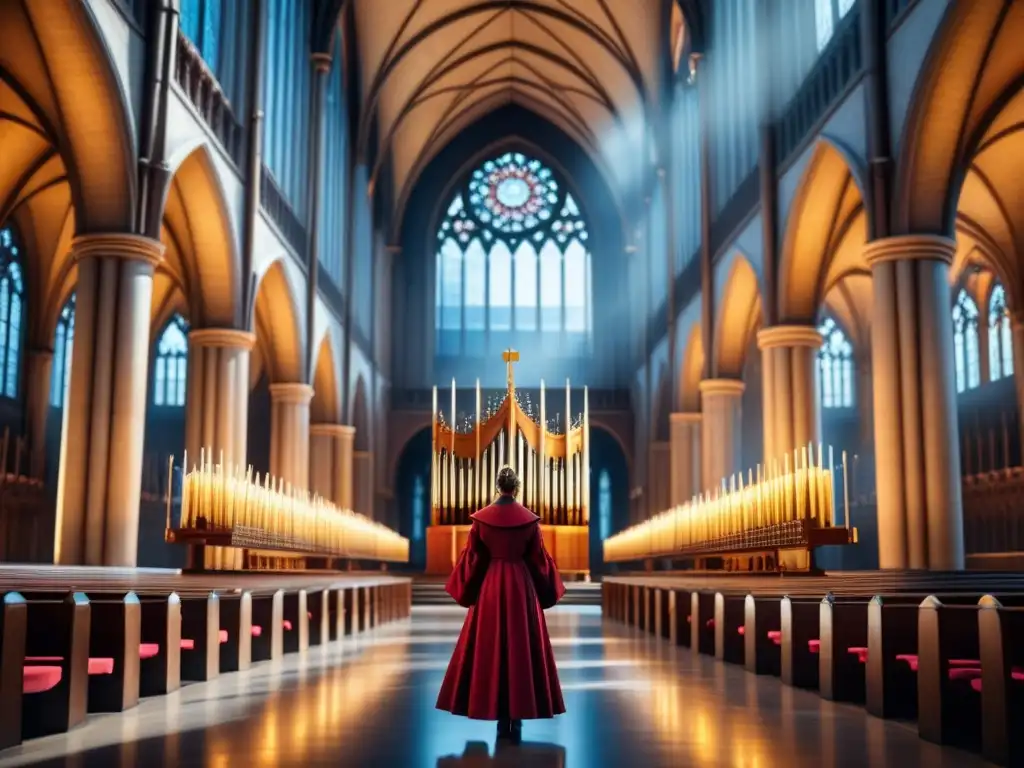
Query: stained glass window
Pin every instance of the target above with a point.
(419, 507)
(604, 503)
(1000, 336)
(12, 307)
(63, 341)
(170, 371)
(512, 259)
(965, 342)
(835, 364)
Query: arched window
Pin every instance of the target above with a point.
(63, 341)
(835, 363)
(170, 372)
(512, 261)
(12, 304)
(419, 506)
(604, 504)
(965, 342)
(827, 15)
(1000, 337)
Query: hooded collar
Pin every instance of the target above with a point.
(505, 512)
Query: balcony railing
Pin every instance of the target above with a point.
(203, 90)
(282, 214)
(839, 64)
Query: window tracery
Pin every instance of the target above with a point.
(511, 259)
(12, 306)
(63, 343)
(965, 342)
(170, 372)
(835, 363)
(1000, 336)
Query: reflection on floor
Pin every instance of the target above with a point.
(632, 701)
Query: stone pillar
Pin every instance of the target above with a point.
(330, 462)
(38, 375)
(792, 410)
(721, 431)
(917, 449)
(1017, 328)
(105, 413)
(289, 433)
(362, 483)
(658, 474)
(684, 457)
(217, 405)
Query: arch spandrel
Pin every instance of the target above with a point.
(278, 325)
(691, 371)
(326, 405)
(739, 315)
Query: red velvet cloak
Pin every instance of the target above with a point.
(503, 665)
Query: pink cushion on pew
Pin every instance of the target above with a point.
(710, 624)
(742, 630)
(775, 635)
(257, 631)
(689, 619)
(911, 660)
(309, 614)
(188, 644)
(287, 625)
(39, 679)
(1017, 674)
(861, 653)
(976, 684)
(223, 636)
(96, 666)
(814, 646)
(965, 673)
(148, 650)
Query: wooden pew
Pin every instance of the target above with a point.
(115, 633)
(268, 616)
(296, 621)
(702, 624)
(56, 638)
(762, 630)
(1001, 641)
(200, 636)
(13, 620)
(843, 651)
(351, 612)
(337, 618)
(683, 603)
(160, 648)
(800, 641)
(319, 605)
(891, 682)
(662, 614)
(729, 628)
(236, 621)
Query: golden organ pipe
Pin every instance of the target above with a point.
(476, 461)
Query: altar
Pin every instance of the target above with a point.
(551, 457)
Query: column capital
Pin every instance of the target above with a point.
(729, 387)
(684, 417)
(119, 245)
(321, 62)
(300, 394)
(910, 248)
(222, 337)
(332, 430)
(789, 336)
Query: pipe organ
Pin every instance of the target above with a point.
(547, 447)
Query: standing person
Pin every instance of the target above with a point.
(503, 667)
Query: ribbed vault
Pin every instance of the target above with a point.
(429, 69)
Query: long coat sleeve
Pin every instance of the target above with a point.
(464, 583)
(546, 579)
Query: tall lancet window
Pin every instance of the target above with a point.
(12, 308)
(63, 340)
(965, 342)
(835, 364)
(170, 372)
(513, 262)
(1000, 336)
(604, 504)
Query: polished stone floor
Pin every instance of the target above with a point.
(633, 702)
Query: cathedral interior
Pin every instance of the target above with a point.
(733, 284)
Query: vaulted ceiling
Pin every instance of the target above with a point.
(430, 68)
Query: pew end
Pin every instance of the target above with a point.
(160, 673)
(800, 628)
(115, 632)
(843, 625)
(762, 615)
(236, 620)
(200, 623)
(13, 620)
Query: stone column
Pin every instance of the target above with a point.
(1017, 329)
(917, 449)
(362, 483)
(330, 462)
(685, 457)
(658, 473)
(38, 374)
(217, 405)
(105, 413)
(792, 411)
(289, 433)
(721, 431)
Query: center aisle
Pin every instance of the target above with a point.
(632, 701)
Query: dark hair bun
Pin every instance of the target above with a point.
(508, 481)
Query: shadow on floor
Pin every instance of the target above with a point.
(528, 753)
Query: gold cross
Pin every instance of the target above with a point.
(510, 356)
